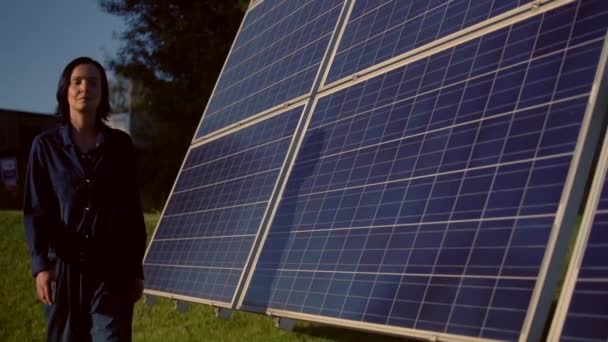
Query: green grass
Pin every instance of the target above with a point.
(21, 317)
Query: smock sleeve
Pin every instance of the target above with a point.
(39, 209)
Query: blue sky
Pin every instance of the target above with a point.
(39, 37)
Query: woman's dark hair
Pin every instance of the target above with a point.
(63, 107)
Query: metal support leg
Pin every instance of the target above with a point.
(222, 313)
(149, 300)
(181, 306)
(286, 324)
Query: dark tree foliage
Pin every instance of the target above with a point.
(172, 52)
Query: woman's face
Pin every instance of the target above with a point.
(84, 92)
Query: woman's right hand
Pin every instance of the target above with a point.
(43, 286)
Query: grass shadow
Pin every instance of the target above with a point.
(340, 334)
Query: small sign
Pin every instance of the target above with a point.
(8, 172)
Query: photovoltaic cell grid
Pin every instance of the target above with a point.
(275, 58)
(424, 197)
(214, 212)
(587, 316)
(379, 30)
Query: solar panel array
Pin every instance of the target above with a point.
(583, 307)
(207, 229)
(420, 196)
(427, 194)
(275, 58)
(211, 219)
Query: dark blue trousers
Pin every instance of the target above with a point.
(88, 307)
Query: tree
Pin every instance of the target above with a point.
(172, 53)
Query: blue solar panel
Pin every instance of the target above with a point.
(213, 214)
(586, 316)
(380, 30)
(275, 58)
(424, 197)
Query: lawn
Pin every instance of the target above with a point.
(21, 317)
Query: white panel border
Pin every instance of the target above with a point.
(580, 246)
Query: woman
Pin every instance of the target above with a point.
(83, 220)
